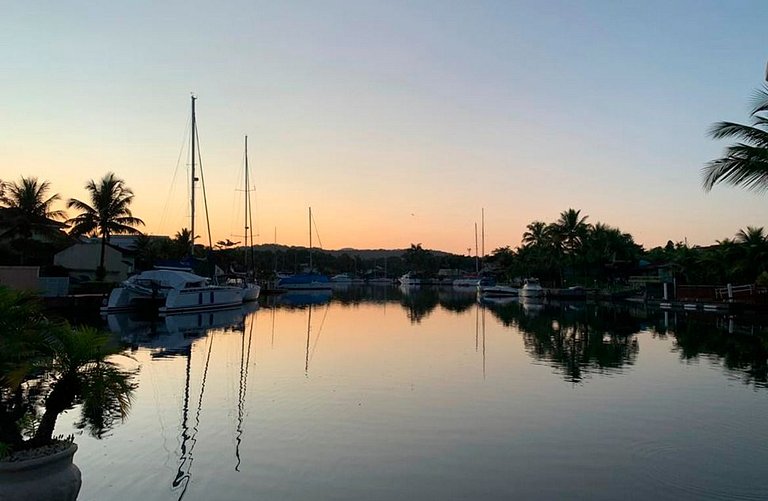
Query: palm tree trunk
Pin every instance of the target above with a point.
(61, 398)
(103, 250)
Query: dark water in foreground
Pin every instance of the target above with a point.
(387, 394)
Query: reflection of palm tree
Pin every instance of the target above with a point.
(575, 342)
(744, 354)
(108, 213)
(419, 303)
(746, 162)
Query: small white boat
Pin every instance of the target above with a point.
(250, 289)
(532, 288)
(410, 280)
(341, 278)
(172, 290)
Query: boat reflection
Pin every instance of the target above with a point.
(172, 335)
(300, 298)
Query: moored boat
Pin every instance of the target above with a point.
(171, 290)
(410, 279)
(532, 288)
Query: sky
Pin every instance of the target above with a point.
(398, 122)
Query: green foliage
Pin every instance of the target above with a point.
(46, 368)
(107, 214)
(746, 162)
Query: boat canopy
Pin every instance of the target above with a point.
(175, 279)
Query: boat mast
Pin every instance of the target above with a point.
(477, 257)
(310, 240)
(192, 190)
(247, 209)
(482, 233)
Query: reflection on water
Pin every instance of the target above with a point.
(379, 393)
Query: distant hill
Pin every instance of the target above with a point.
(361, 253)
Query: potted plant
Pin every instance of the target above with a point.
(46, 368)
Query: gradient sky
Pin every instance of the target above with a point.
(396, 121)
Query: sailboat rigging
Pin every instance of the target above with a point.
(310, 280)
(175, 289)
(246, 280)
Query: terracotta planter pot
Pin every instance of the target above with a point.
(48, 478)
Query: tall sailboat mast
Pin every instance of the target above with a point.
(477, 258)
(482, 233)
(310, 240)
(247, 211)
(192, 190)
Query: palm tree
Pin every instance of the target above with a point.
(108, 214)
(746, 162)
(30, 207)
(572, 229)
(47, 367)
(182, 242)
(753, 252)
(537, 234)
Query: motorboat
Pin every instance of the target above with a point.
(172, 290)
(410, 279)
(532, 288)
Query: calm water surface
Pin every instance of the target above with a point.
(390, 394)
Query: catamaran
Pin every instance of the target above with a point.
(174, 289)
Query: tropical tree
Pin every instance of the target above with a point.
(572, 229)
(30, 207)
(536, 234)
(46, 368)
(753, 252)
(182, 242)
(746, 162)
(108, 213)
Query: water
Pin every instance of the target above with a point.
(388, 394)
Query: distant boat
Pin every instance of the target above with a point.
(309, 280)
(410, 279)
(341, 278)
(532, 288)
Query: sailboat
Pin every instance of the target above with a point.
(174, 289)
(245, 281)
(310, 280)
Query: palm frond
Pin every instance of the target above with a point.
(743, 165)
(721, 130)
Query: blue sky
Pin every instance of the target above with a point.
(396, 121)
